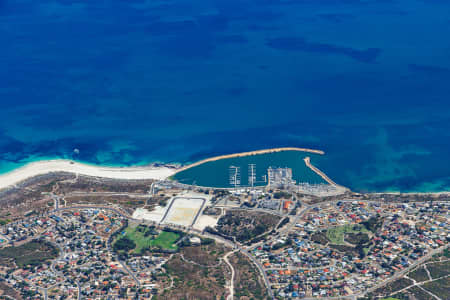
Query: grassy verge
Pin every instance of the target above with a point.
(336, 234)
(4, 221)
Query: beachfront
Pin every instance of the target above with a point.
(133, 173)
(52, 166)
(128, 173)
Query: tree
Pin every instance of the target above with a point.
(124, 244)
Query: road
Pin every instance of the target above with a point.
(79, 290)
(152, 192)
(123, 264)
(166, 212)
(117, 211)
(272, 212)
(307, 208)
(108, 194)
(245, 252)
(217, 238)
(45, 290)
(390, 279)
(406, 270)
(125, 267)
(238, 248)
(199, 212)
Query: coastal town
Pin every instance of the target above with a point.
(225, 150)
(71, 236)
(348, 247)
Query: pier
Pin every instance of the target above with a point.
(318, 172)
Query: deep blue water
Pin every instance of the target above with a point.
(135, 81)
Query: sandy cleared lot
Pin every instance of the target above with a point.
(204, 221)
(183, 210)
(155, 215)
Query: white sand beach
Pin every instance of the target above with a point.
(50, 166)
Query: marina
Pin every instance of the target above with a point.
(249, 170)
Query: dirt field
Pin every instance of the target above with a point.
(245, 225)
(199, 276)
(183, 211)
(248, 283)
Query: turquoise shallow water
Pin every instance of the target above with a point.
(139, 81)
(216, 173)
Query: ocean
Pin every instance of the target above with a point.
(130, 82)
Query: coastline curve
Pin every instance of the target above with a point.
(126, 173)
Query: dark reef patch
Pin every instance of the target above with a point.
(429, 69)
(300, 44)
(232, 39)
(336, 17)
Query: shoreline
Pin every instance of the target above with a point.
(444, 193)
(62, 165)
(249, 153)
(156, 171)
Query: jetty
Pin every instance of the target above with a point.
(307, 161)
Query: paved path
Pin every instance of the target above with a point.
(123, 264)
(79, 290)
(195, 263)
(249, 256)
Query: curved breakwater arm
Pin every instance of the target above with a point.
(249, 153)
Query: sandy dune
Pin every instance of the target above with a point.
(49, 166)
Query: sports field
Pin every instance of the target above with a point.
(144, 237)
